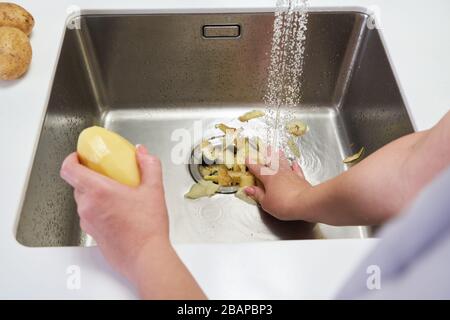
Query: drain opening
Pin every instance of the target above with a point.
(197, 161)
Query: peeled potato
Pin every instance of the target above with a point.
(109, 154)
(15, 53)
(13, 15)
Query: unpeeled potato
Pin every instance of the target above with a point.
(109, 154)
(13, 15)
(15, 53)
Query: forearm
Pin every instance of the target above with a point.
(346, 200)
(373, 190)
(160, 274)
(370, 192)
(325, 203)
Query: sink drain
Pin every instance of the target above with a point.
(197, 161)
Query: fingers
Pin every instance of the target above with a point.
(276, 159)
(298, 170)
(80, 177)
(256, 193)
(83, 179)
(254, 168)
(77, 195)
(258, 170)
(85, 226)
(284, 162)
(271, 158)
(150, 166)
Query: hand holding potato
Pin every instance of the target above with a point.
(131, 227)
(122, 219)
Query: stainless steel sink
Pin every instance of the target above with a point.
(146, 75)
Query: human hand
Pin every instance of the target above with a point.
(281, 189)
(123, 220)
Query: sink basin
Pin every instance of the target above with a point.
(145, 76)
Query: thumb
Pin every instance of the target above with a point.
(256, 193)
(150, 166)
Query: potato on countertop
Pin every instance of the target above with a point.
(13, 15)
(15, 53)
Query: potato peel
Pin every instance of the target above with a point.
(354, 158)
(251, 115)
(208, 151)
(225, 129)
(296, 128)
(241, 195)
(247, 180)
(293, 146)
(228, 168)
(202, 189)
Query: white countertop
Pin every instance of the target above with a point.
(417, 36)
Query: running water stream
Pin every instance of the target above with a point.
(284, 87)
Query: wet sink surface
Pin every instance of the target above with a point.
(147, 76)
